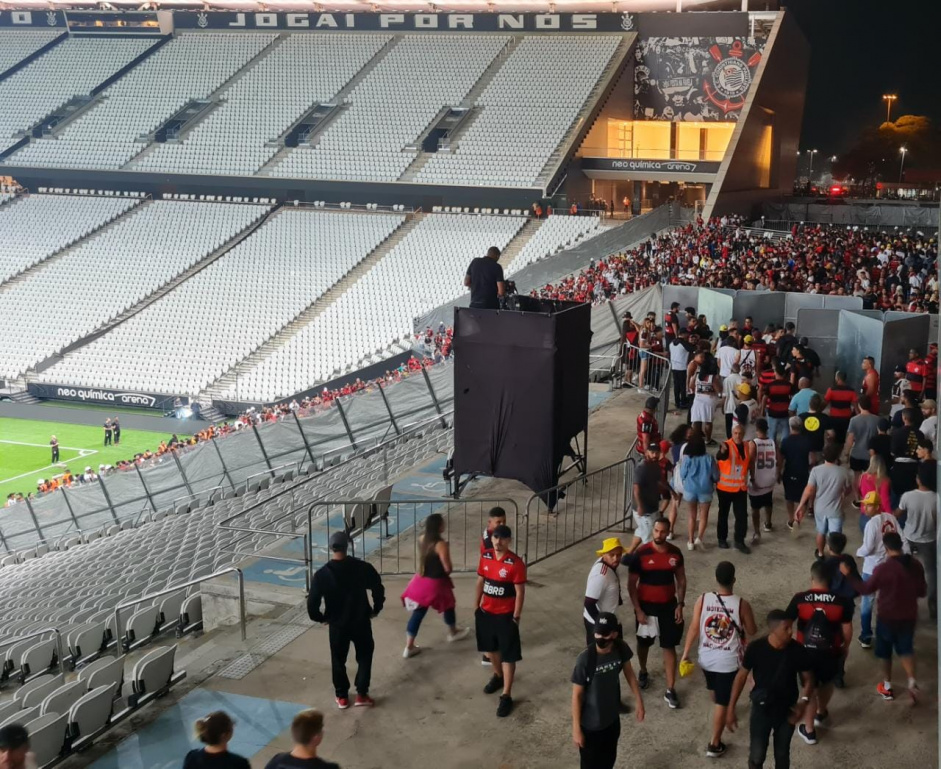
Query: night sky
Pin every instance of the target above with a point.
(861, 49)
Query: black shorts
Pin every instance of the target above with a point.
(858, 465)
(498, 633)
(671, 632)
(720, 684)
(760, 501)
(794, 489)
(825, 665)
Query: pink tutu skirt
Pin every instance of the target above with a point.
(437, 594)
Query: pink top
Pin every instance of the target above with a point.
(867, 483)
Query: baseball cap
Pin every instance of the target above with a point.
(13, 736)
(900, 369)
(339, 540)
(607, 623)
(744, 388)
(652, 402)
(723, 327)
(749, 339)
(611, 543)
(665, 446)
(872, 498)
(502, 532)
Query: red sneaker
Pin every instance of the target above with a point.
(364, 701)
(343, 702)
(887, 694)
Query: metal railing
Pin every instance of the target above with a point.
(175, 589)
(387, 532)
(60, 659)
(571, 512)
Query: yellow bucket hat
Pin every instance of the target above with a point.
(611, 543)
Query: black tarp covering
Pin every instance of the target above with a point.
(520, 390)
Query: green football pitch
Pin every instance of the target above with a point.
(25, 455)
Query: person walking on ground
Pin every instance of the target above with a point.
(904, 447)
(872, 551)
(431, 587)
(341, 586)
(704, 385)
(54, 445)
(762, 476)
(827, 486)
(307, 734)
(774, 402)
(699, 473)
(730, 385)
(603, 591)
(800, 402)
(646, 496)
(501, 589)
(860, 430)
(898, 582)
(657, 586)
(496, 517)
(836, 546)
(669, 499)
(776, 662)
(869, 390)
(919, 510)
(825, 629)
(722, 622)
(732, 489)
(746, 410)
(875, 479)
(215, 731)
(843, 402)
(680, 350)
(648, 430)
(818, 427)
(596, 694)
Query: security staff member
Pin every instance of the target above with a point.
(485, 280)
(54, 443)
(341, 587)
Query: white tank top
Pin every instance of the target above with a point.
(706, 386)
(753, 413)
(766, 468)
(721, 646)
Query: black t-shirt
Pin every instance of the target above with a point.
(485, 273)
(200, 759)
(882, 446)
(815, 427)
(287, 761)
(904, 442)
(795, 450)
(647, 478)
(776, 671)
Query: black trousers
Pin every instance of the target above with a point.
(728, 426)
(117, 436)
(601, 747)
(340, 639)
(764, 725)
(107, 438)
(679, 388)
(55, 453)
(737, 502)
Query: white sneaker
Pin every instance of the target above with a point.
(698, 543)
(670, 537)
(460, 635)
(755, 538)
(690, 546)
(411, 651)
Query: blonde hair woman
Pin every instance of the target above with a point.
(876, 478)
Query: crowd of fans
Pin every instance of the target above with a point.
(888, 270)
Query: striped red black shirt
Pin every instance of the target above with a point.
(778, 398)
(915, 372)
(841, 399)
(657, 572)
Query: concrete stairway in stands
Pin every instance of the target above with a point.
(519, 241)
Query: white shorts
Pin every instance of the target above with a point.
(643, 527)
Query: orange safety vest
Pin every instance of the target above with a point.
(733, 471)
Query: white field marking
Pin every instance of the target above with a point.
(82, 453)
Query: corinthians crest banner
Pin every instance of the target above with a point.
(693, 78)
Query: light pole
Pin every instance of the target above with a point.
(902, 152)
(888, 98)
(810, 172)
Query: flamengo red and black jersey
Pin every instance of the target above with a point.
(778, 398)
(501, 576)
(837, 610)
(657, 571)
(841, 400)
(648, 432)
(915, 371)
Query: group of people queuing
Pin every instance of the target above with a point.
(888, 270)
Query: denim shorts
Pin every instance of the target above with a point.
(695, 495)
(827, 524)
(889, 637)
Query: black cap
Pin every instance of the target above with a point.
(339, 541)
(13, 736)
(607, 623)
(900, 369)
(652, 402)
(502, 532)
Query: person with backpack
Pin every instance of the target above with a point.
(722, 622)
(825, 628)
(596, 694)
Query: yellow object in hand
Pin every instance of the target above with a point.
(686, 667)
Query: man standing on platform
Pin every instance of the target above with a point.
(485, 280)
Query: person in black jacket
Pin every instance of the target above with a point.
(341, 587)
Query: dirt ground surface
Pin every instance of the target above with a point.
(431, 710)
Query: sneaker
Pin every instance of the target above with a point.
(809, 737)
(411, 651)
(698, 544)
(643, 679)
(494, 685)
(820, 719)
(485, 661)
(460, 635)
(714, 751)
(343, 702)
(866, 643)
(767, 527)
(857, 504)
(755, 538)
(915, 694)
(504, 706)
(712, 442)
(671, 699)
(817, 555)
(670, 537)
(363, 701)
(790, 525)
(887, 694)
(690, 546)
(723, 544)
(743, 548)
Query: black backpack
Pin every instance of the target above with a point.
(818, 632)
